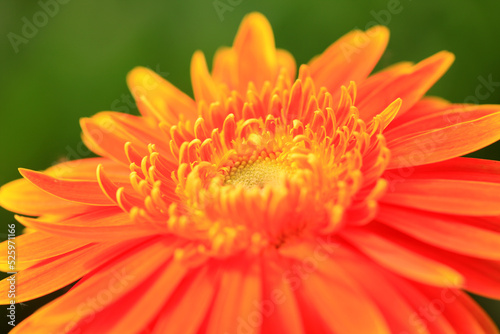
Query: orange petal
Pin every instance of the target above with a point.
(452, 307)
(480, 276)
(351, 58)
(55, 273)
(256, 52)
(444, 143)
(456, 169)
(126, 315)
(379, 79)
(452, 115)
(428, 105)
(459, 197)
(225, 67)
(442, 231)
(166, 102)
(402, 260)
(180, 314)
(287, 61)
(124, 270)
(106, 134)
(85, 192)
(329, 291)
(204, 87)
(391, 302)
(423, 305)
(280, 308)
(35, 247)
(23, 197)
(410, 87)
(473, 309)
(85, 169)
(239, 287)
(98, 225)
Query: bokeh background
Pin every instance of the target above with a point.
(73, 63)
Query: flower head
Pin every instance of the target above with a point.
(332, 201)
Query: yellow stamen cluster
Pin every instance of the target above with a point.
(257, 170)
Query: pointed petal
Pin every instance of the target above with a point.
(225, 67)
(454, 306)
(204, 87)
(85, 169)
(428, 105)
(410, 87)
(443, 231)
(444, 143)
(167, 103)
(23, 197)
(287, 61)
(93, 226)
(85, 192)
(256, 52)
(35, 247)
(351, 58)
(452, 115)
(402, 260)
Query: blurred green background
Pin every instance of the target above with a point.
(74, 64)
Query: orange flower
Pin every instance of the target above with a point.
(331, 203)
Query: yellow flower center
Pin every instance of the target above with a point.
(257, 171)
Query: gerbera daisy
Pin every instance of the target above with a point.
(333, 201)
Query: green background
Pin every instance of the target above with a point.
(76, 63)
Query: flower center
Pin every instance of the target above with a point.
(257, 171)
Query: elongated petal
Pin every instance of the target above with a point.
(452, 115)
(85, 169)
(329, 291)
(180, 314)
(256, 52)
(125, 270)
(421, 303)
(23, 197)
(443, 231)
(35, 247)
(204, 87)
(454, 306)
(127, 314)
(409, 86)
(428, 105)
(167, 103)
(93, 226)
(471, 198)
(480, 276)
(85, 192)
(351, 58)
(239, 288)
(454, 169)
(280, 307)
(396, 310)
(444, 143)
(53, 274)
(403, 261)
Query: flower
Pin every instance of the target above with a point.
(332, 203)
